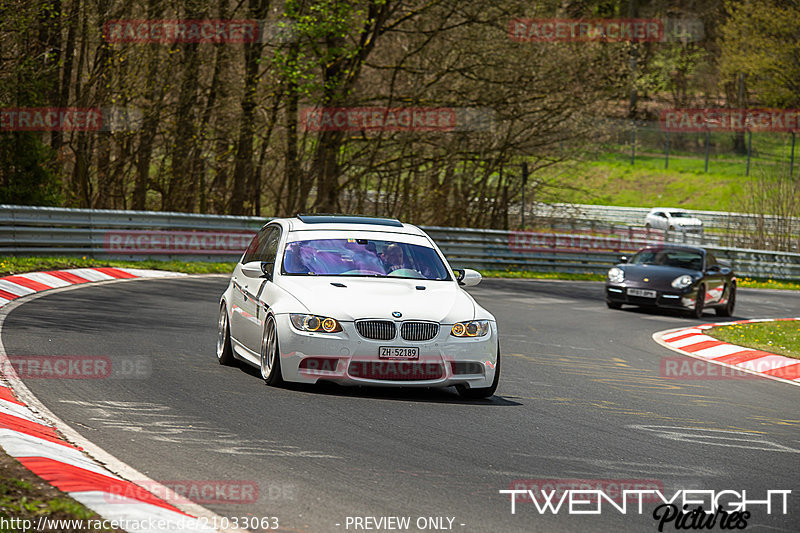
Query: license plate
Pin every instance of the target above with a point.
(392, 352)
(644, 293)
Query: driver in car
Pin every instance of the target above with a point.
(393, 257)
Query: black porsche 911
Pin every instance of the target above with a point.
(674, 277)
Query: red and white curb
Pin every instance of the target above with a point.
(37, 443)
(695, 343)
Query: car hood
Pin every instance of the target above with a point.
(441, 301)
(657, 275)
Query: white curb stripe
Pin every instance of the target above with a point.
(14, 288)
(721, 350)
(90, 274)
(18, 444)
(689, 341)
(142, 514)
(46, 279)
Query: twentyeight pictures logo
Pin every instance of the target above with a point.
(683, 509)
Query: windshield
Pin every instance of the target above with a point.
(669, 257)
(362, 257)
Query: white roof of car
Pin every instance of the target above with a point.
(349, 223)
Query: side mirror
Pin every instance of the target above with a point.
(623, 259)
(258, 269)
(467, 277)
(714, 268)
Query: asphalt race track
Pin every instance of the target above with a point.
(581, 397)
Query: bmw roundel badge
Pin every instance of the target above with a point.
(397, 314)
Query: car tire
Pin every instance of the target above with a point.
(697, 311)
(472, 393)
(727, 309)
(613, 305)
(270, 354)
(224, 349)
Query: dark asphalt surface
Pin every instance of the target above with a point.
(581, 397)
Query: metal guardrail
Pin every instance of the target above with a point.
(587, 247)
(634, 216)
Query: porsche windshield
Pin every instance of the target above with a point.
(669, 257)
(362, 257)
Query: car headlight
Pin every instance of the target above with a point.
(473, 328)
(320, 324)
(616, 275)
(681, 282)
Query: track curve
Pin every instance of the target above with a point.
(581, 397)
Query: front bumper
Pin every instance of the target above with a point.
(670, 299)
(350, 359)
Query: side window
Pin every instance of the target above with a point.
(268, 247)
(710, 260)
(252, 248)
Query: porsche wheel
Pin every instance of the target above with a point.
(270, 354)
(727, 309)
(224, 350)
(700, 301)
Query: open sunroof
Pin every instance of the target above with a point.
(350, 219)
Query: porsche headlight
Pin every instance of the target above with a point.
(681, 282)
(473, 328)
(616, 275)
(319, 324)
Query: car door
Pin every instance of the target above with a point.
(238, 303)
(257, 290)
(715, 279)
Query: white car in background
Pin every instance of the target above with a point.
(669, 219)
(358, 301)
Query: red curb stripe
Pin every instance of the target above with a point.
(70, 478)
(681, 337)
(692, 348)
(69, 277)
(34, 429)
(7, 395)
(743, 356)
(29, 283)
(115, 272)
(7, 295)
(786, 372)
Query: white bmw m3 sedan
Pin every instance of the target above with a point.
(358, 301)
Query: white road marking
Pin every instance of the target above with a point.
(717, 437)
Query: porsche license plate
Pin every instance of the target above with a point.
(644, 293)
(396, 352)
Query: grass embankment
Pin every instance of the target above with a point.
(780, 337)
(25, 496)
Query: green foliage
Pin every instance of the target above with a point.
(761, 39)
(26, 177)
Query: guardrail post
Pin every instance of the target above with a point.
(749, 145)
